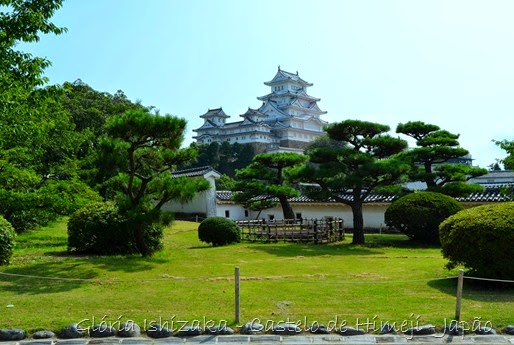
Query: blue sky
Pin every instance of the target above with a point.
(449, 63)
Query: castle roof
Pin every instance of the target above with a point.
(300, 93)
(218, 112)
(282, 76)
(253, 112)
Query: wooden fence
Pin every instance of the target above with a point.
(326, 230)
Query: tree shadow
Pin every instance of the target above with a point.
(46, 277)
(206, 246)
(62, 271)
(297, 249)
(482, 291)
(396, 241)
(125, 263)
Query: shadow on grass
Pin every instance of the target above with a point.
(206, 246)
(476, 290)
(296, 249)
(395, 241)
(68, 272)
(46, 277)
(375, 244)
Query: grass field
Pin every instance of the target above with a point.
(389, 279)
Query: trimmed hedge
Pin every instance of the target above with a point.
(419, 214)
(7, 236)
(100, 229)
(481, 239)
(219, 231)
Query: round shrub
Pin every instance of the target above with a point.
(419, 214)
(219, 231)
(7, 236)
(481, 239)
(100, 229)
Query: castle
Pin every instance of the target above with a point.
(287, 120)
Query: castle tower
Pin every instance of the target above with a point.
(287, 120)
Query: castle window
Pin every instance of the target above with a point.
(227, 213)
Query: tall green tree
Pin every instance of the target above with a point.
(24, 21)
(38, 179)
(508, 147)
(89, 110)
(265, 180)
(431, 160)
(364, 160)
(225, 157)
(145, 148)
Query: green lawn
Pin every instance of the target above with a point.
(387, 280)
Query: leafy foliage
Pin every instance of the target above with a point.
(481, 239)
(219, 231)
(419, 214)
(226, 158)
(24, 21)
(144, 148)
(7, 236)
(431, 160)
(363, 160)
(263, 181)
(89, 110)
(38, 142)
(507, 146)
(100, 229)
(225, 182)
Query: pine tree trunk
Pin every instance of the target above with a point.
(286, 208)
(358, 224)
(140, 240)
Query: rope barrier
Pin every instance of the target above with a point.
(248, 278)
(489, 279)
(213, 278)
(346, 282)
(170, 278)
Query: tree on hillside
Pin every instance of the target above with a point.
(224, 157)
(24, 21)
(507, 146)
(38, 144)
(89, 109)
(145, 148)
(363, 161)
(265, 180)
(431, 160)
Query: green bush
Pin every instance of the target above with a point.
(154, 233)
(419, 214)
(7, 236)
(100, 229)
(481, 239)
(219, 231)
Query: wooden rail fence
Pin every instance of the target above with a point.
(325, 230)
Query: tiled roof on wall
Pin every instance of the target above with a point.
(488, 195)
(192, 172)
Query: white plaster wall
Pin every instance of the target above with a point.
(373, 213)
(203, 202)
(197, 205)
(236, 212)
